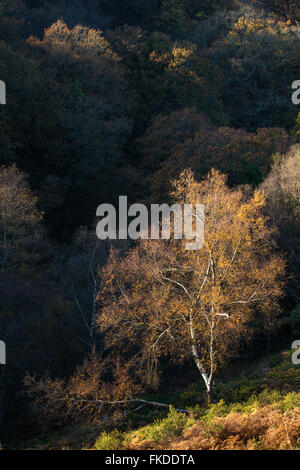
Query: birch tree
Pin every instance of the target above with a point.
(164, 301)
(84, 269)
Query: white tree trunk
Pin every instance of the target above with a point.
(207, 378)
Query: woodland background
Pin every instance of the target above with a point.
(109, 98)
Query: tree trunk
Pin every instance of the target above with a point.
(206, 378)
(208, 396)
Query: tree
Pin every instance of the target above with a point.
(182, 18)
(24, 250)
(289, 9)
(167, 75)
(166, 133)
(12, 19)
(26, 96)
(187, 139)
(282, 189)
(96, 392)
(20, 222)
(82, 274)
(162, 300)
(80, 127)
(172, 16)
(254, 50)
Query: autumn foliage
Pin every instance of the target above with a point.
(164, 300)
(162, 101)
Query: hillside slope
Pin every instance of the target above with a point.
(258, 410)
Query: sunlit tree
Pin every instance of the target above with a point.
(20, 221)
(164, 300)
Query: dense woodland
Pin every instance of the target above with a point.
(163, 101)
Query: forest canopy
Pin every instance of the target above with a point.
(164, 101)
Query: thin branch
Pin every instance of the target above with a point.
(120, 402)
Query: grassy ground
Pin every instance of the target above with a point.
(257, 409)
